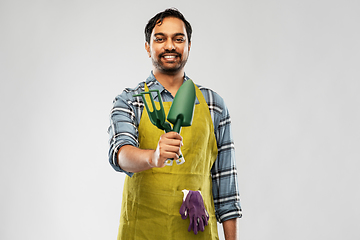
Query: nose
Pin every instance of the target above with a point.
(169, 45)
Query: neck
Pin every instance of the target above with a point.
(171, 82)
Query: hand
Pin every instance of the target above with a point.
(193, 206)
(168, 147)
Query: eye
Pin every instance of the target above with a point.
(179, 40)
(158, 39)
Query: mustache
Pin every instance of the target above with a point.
(171, 52)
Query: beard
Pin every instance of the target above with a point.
(158, 64)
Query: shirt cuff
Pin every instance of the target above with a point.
(115, 164)
(228, 211)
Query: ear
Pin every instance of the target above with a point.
(189, 46)
(147, 48)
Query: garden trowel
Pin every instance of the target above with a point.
(182, 110)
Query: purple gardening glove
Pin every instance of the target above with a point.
(193, 206)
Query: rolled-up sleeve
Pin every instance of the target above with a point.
(123, 128)
(224, 175)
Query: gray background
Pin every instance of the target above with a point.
(288, 71)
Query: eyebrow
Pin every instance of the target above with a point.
(176, 34)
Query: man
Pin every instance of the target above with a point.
(153, 193)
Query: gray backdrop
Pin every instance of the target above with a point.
(288, 71)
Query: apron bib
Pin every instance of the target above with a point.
(152, 198)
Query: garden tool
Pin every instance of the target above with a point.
(182, 109)
(156, 116)
(180, 113)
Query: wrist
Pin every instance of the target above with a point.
(150, 158)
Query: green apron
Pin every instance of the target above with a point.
(152, 198)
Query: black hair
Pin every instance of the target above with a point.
(158, 19)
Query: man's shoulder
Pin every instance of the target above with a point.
(127, 93)
(206, 89)
(140, 87)
(210, 95)
(131, 91)
(215, 102)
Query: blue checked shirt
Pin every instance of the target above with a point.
(124, 121)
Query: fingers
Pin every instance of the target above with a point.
(172, 135)
(168, 148)
(191, 226)
(170, 144)
(206, 219)
(201, 226)
(195, 225)
(183, 211)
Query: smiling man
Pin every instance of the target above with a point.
(169, 46)
(178, 201)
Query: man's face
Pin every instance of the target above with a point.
(169, 46)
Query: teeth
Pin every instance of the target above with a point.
(169, 56)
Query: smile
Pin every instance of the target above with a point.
(170, 57)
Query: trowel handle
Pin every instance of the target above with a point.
(181, 160)
(178, 123)
(169, 162)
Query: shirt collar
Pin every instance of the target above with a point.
(154, 84)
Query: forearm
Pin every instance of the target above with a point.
(230, 229)
(133, 159)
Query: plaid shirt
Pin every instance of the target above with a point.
(125, 118)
